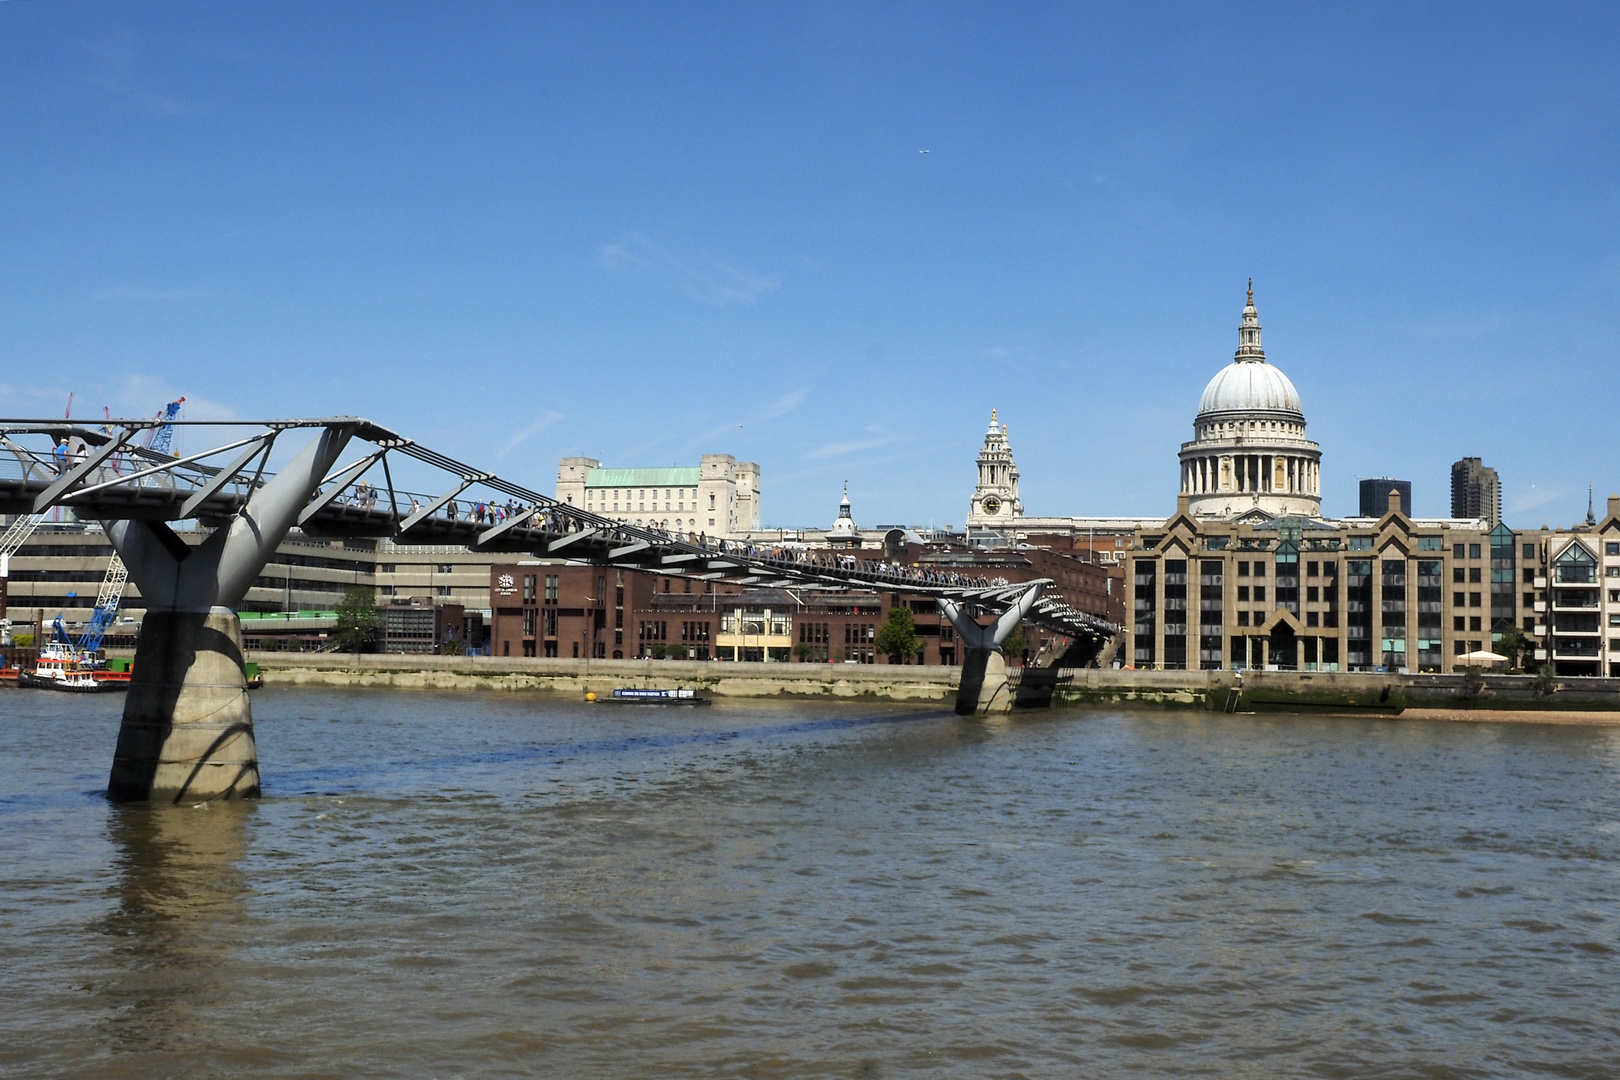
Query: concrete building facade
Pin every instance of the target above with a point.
(720, 496)
(1395, 594)
(1476, 491)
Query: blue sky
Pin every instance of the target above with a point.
(646, 232)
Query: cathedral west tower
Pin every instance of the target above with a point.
(995, 498)
(1249, 454)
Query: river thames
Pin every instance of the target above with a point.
(481, 885)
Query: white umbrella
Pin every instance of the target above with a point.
(1484, 654)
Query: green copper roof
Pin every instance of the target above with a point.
(629, 478)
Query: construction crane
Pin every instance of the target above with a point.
(22, 527)
(117, 576)
(107, 601)
(161, 436)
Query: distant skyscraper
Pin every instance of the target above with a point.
(1375, 496)
(1475, 491)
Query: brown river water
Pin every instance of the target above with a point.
(486, 885)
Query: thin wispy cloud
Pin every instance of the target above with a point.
(1443, 329)
(129, 292)
(876, 437)
(782, 406)
(1534, 496)
(699, 277)
(112, 72)
(529, 431)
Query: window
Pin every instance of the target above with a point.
(1611, 571)
(1259, 594)
(528, 622)
(1575, 565)
(1529, 599)
(1473, 551)
(1611, 547)
(1243, 618)
(528, 588)
(1312, 595)
(1458, 623)
(1310, 618)
(1311, 569)
(1529, 551)
(550, 622)
(1428, 543)
(1459, 551)
(1361, 543)
(1529, 575)
(446, 568)
(441, 590)
(1145, 612)
(1473, 575)
(1457, 599)
(1473, 599)
(1243, 569)
(1259, 569)
(1243, 593)
(553, 582)
(1458, 575)
(1473, 623)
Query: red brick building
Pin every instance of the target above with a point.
(590, 611)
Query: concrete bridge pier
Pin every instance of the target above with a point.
(984, 686)
(187, 732)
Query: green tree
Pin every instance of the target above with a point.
(802, 651)
(898, 635)
(1015, 644)
(358, 622)
(1510, 641)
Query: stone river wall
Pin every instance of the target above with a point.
(1488, 696)
(936, 685)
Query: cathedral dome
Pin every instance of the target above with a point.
(1249, 453)
(1250, 386)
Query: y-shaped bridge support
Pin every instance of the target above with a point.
(187, 733)
(984, 688)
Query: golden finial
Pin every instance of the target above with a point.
(1251, 292)
(992, 416)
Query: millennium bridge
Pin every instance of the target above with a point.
(187, 731)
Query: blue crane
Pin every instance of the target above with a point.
(161, 436)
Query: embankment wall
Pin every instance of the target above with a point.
(935, 685)
(1339, 692)
(1220, 691)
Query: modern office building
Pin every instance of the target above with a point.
(1375, 496)
(1393, 593)
(717, 497)
(1569, 580)
(1475, 490)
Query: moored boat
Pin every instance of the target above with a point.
(62, 667)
